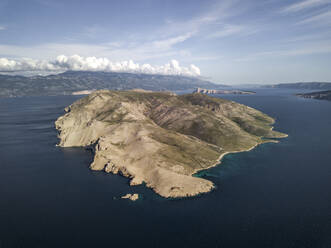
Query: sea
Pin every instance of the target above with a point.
(275, 196)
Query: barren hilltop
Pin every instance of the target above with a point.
(162, 139)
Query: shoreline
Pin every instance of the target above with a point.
(219, 160)
(217, 163)
(271, 140)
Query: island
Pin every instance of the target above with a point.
(320, 95)
(302, 86)
(132, 197)
(209, 91)
(161, 139)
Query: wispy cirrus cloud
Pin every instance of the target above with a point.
(169, 42)
(320, 36)
(216, 17)
(2, 27)
(323, 18)
(226, 30)
(161, 48)
(220, 21)
(231, 30)
(310, 49)
(303, 5)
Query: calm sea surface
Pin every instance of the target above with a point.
(278, 195)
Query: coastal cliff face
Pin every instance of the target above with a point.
(162, 139)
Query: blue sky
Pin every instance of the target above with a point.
(253, 41)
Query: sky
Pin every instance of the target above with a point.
(225, 41)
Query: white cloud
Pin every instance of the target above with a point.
(25, 65)
(2, 28)
(78, 63)
(302, 5)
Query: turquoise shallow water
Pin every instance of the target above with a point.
(277, 195)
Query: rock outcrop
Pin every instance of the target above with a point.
(132, 197)
(162, 139)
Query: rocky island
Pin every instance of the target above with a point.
(132, 197)
(209, 91)
(320, 95)
(162, 139)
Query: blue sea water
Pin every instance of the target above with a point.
(277, 195)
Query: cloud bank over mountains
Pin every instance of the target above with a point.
(78, 63)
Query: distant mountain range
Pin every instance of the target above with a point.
(321, 95)
(71, 81)
(303, 86)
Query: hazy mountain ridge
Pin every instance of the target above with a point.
(68, 82)
(302, 85)
(72, 81)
